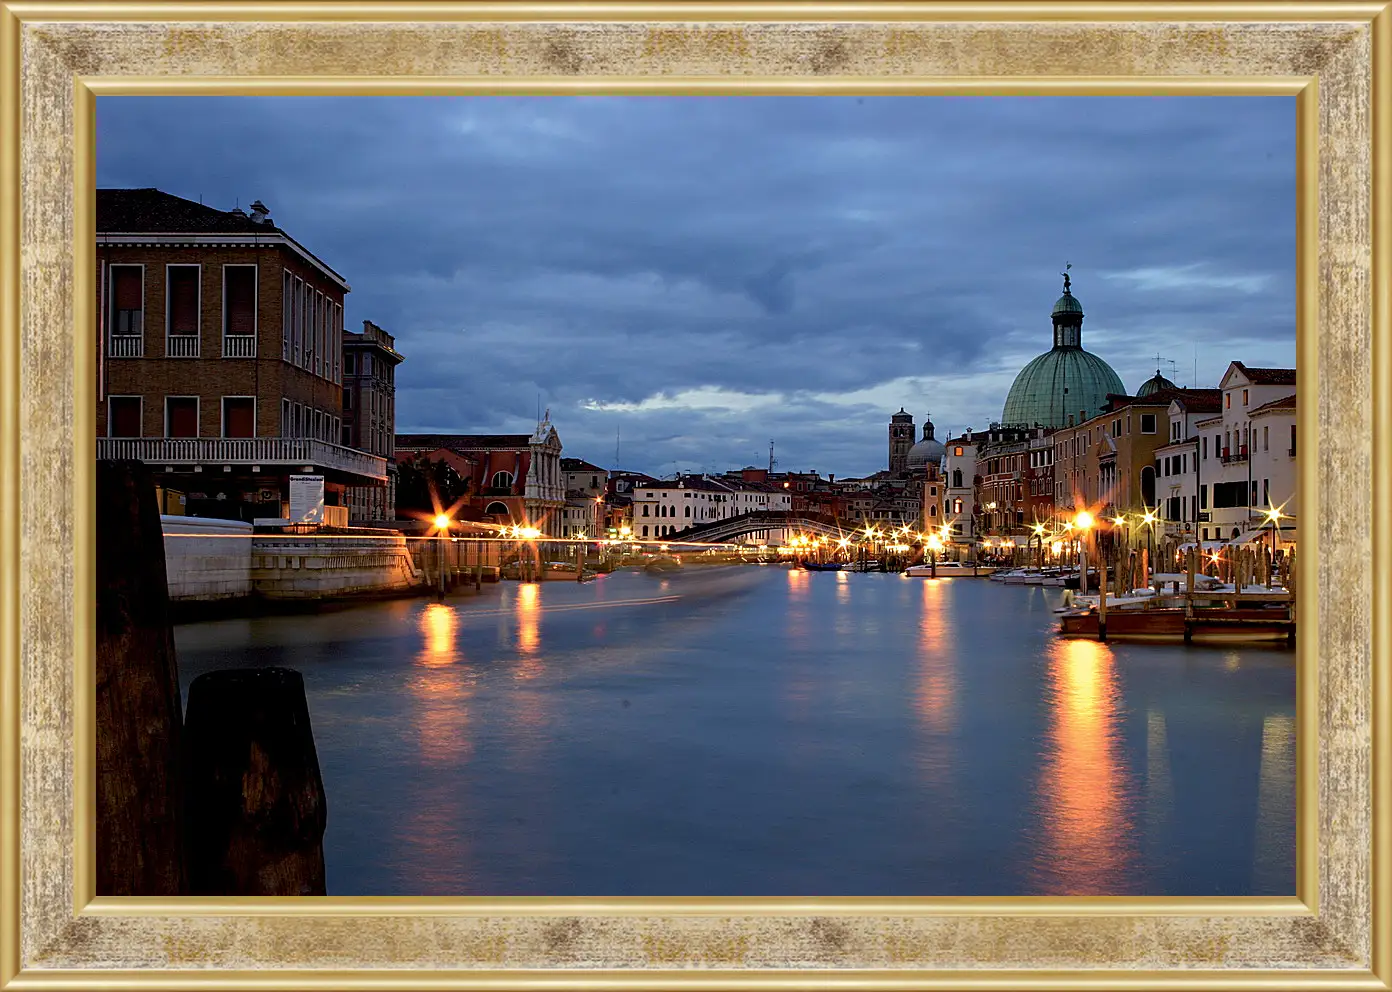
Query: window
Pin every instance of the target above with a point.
(1266, 492)
(957, 451)
(285, 426)
(1203, 497)
(287, 292)
(1266, 438)
(347, 399)
(688, 510)
(645, 509)
(1204, 440)
(181, 416)
(350, 364)
(1244, 397)
(238, 303)
(956, 506)
(238, 416)
(1292, 447)
(181, 300)
(1147, 423)
(496, 509)
(932, 511)
(127, 300)
(502, 480)
(123, 416)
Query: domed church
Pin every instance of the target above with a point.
(927, 452)
(1065, 385)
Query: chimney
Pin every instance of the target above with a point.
(259, 213)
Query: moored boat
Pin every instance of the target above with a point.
(949, 569)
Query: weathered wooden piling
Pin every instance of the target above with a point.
(139, 789)
(256, 804)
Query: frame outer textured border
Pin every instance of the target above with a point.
(46, 59)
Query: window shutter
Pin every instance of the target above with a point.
(240, 289)
(126, 289)
(183, 299)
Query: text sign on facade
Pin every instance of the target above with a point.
(306, 499)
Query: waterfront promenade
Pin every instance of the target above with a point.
(770, 731)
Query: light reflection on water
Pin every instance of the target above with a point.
(767, 731)
(1084, 788)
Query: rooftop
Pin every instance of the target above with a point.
(1268, 377)
(463, 442)
(154, 212)
(1284, 403)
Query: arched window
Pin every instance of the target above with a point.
(956, 506)
(502, 480)
(645, 529)
(688, 510)
(1148, 485)
(956, 478)
(645, 509)
(497, 508)
(932, 511)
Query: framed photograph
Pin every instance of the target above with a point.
(819, 495)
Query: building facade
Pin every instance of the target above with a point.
(220, 344)
(369, 414)
(517, 477)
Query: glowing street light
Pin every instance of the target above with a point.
(442, 522)
(1083, 520)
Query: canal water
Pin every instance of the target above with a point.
(767, 731)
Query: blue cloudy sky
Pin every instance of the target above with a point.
(706, 274)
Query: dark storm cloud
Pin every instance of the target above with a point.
(707, 274)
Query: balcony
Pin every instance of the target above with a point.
(279, 452)
(126, 346)
(181, 346)
(239, 346)
(1230, 456)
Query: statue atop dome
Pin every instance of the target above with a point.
(1067, 284)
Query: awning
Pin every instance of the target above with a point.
(1263, 535)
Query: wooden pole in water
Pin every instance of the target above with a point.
(257, 809)
(1102, 602)
(139, 726)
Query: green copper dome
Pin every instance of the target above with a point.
(1065, 381)
(1058, 384)
(1067, 303)
(1154, 384)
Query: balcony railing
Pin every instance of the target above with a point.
(239, 346)
(181, 346)
(126, 346)
(1240, 455)
(297, 452)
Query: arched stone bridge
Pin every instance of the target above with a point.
(732, 528)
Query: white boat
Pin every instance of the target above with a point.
(949, 569)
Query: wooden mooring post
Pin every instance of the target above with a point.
(139, 725)
(256, 804)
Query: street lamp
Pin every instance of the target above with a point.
(934, 546)
(1273, 515)
(1083, 522)
(442, 523)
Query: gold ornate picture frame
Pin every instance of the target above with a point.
(56, 58)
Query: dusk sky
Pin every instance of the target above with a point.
(707, 274)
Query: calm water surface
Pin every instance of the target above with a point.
(764, 731)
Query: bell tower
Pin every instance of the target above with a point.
(901, 439)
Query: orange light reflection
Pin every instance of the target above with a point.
(1089, 839)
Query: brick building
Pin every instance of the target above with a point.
(369, 414)
(517, 478)
(220, 339)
